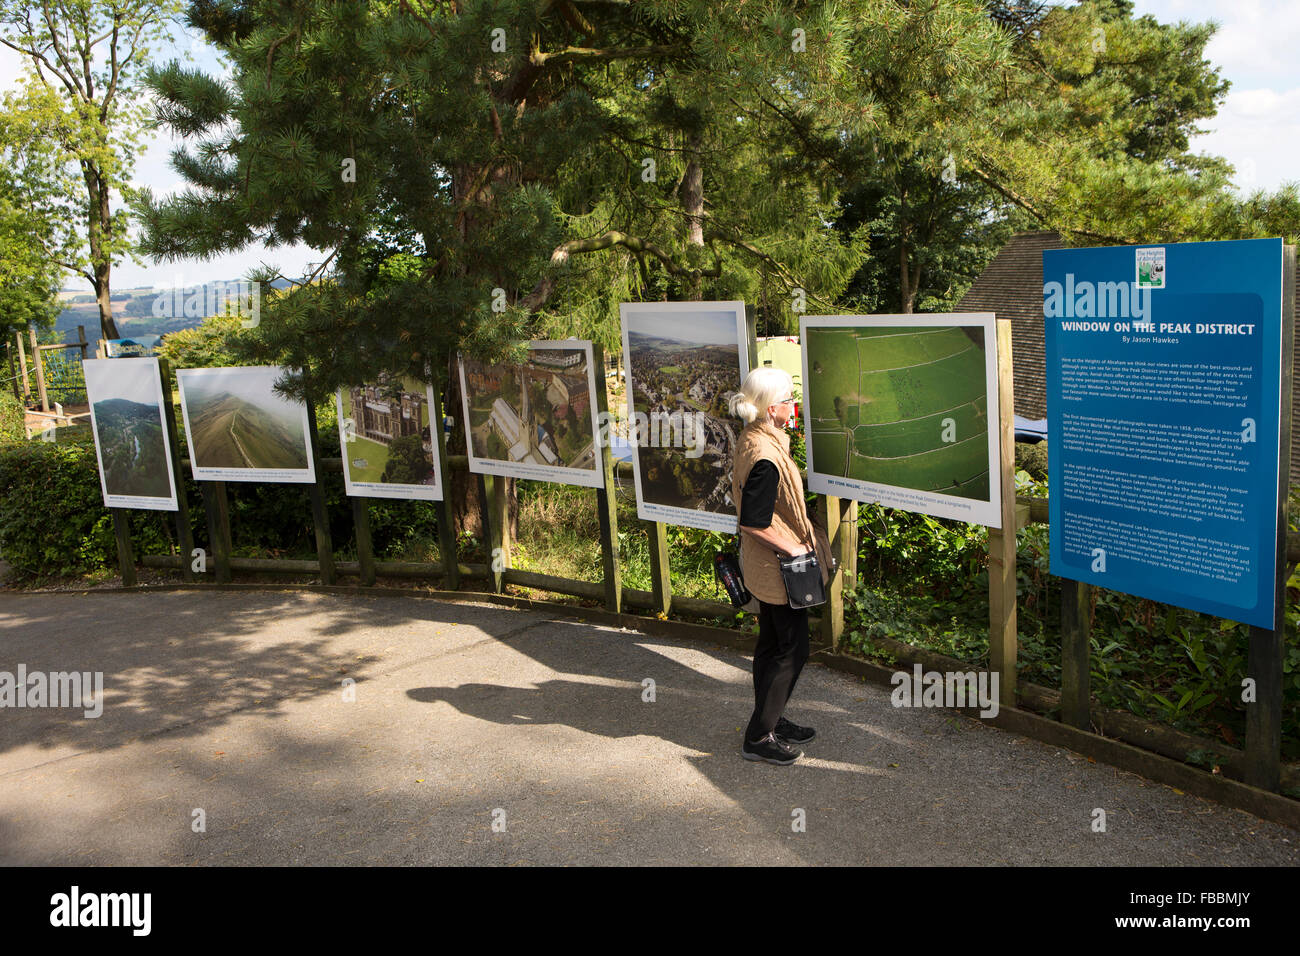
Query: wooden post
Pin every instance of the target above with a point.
(365, 549)
(490, 487)
(1076, 630)
(661, 584)
(319, 515)
(184, 535)
(39, 367)
(1265, 655)
(446, 523)
(1003, 636)
(13, 372)
(849, 552)
(607, 513)
(217, 508)
(832, 625)
(125, 556)
(22, 365)
(81, 341)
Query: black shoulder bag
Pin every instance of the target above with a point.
(802, 575)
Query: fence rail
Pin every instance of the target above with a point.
(1261, 758)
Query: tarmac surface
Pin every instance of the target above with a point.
(480, 734)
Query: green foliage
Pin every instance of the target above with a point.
(1032, 459)
(52, 520)
(214, 343)
(82, 102)
(12, 419)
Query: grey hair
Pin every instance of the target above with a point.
(762, 387)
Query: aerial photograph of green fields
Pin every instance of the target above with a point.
(235, 420)
(902, 406)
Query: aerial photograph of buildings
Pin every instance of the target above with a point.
(682, 366)
(388, 449)
(536, 419)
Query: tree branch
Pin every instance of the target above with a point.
(574, 54)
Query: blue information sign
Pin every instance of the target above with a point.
(1163, 387)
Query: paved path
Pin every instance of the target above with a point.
(232, 703)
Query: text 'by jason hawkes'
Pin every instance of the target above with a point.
(54, 689)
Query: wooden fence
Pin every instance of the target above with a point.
(56, 378)
(1260, 765)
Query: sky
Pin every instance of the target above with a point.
(699, 326)
(1257, 128)
(136, 380)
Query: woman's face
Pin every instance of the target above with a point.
(781, 412)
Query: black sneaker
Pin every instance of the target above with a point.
(771, 750)
(793, 733)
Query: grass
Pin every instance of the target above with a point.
(375, 455)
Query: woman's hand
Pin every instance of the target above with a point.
(782, 545)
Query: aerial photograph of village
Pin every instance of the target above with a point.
(685, 366)
(533, 415)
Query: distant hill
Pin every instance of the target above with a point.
(132, 310)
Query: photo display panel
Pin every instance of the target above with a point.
(903, 410)
(240, 429)
(126, 413)
(684, 361)
(535, 420)
(389, 447)
(1163, 408)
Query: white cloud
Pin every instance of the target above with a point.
(1258, 131)
(1255, 44)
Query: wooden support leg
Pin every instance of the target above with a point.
(365, 550)
(1076, 629)
(661, 585)
(125, 555)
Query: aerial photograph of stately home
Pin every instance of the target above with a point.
(536, 413)
(388, 441)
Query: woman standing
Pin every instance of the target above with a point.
(769, 497)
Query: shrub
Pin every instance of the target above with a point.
(1033, 459)
(52, 520)
(12, 417)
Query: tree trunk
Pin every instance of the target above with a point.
(99, 229)
(462, 487)
(906, 290)
(103, 298)
(693, 205)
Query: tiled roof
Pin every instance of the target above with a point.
(1012, 287)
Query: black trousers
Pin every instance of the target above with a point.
(779, 657)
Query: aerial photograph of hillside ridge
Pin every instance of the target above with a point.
(128, 426)
(685, 366)
(234, 419)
